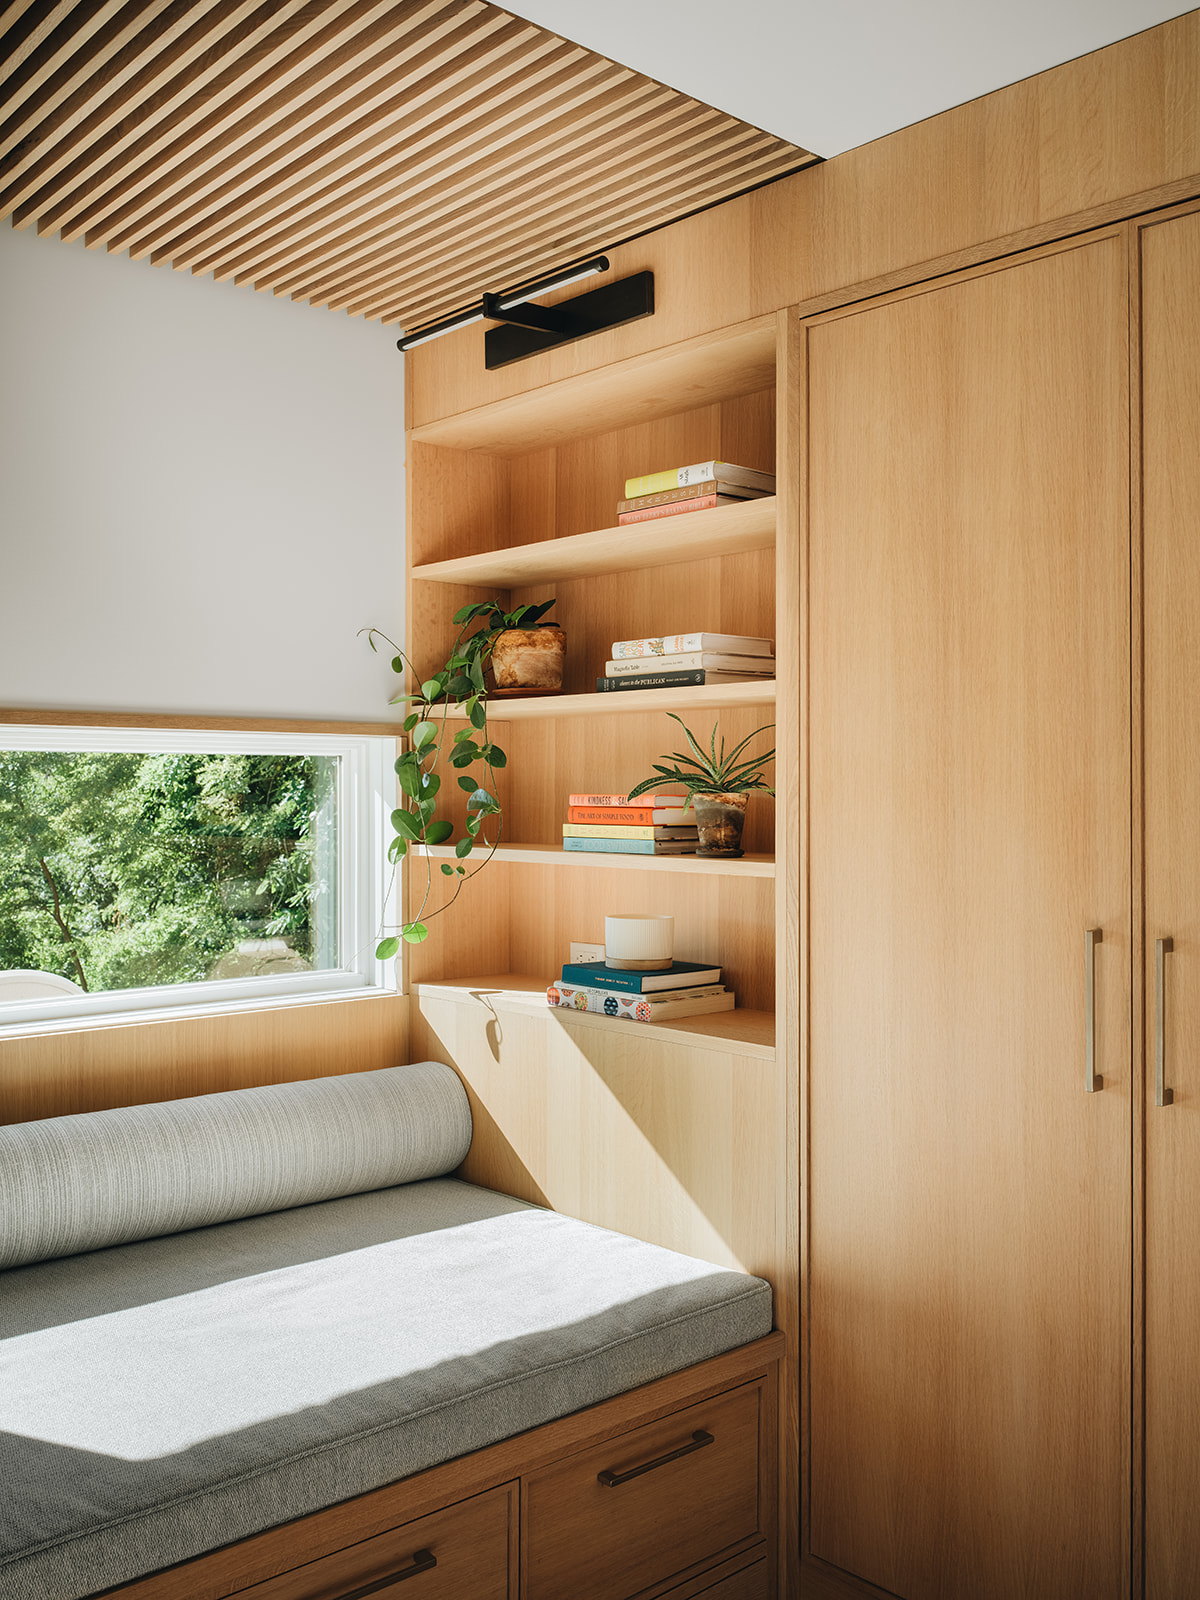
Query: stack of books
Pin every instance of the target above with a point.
(675, 659)
(685, 989)
(694, 488)
(651, 825)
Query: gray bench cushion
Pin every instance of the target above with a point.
(163, 1398)
(105, 1177)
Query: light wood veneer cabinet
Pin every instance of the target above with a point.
(1004, 725)
(970, 770)
(1170, 346)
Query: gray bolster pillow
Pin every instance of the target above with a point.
(107, 1177)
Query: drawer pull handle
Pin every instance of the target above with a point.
(612, 1480)
(422, 1561)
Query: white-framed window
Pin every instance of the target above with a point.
(167, 870)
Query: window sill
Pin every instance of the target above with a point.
(17, 1028)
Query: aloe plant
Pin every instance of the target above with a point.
(461, 682)
(711, 771)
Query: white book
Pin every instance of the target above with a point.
(689, 661)
(674, 644)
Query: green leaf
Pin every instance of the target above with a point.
(415, 932)
(432, 688)
(464, 847)
(410, 779)
(462, 871)
(481, 799)
(477, 674)
(405, 823)
(386, 949)
(469, 785)
(447, 869)
(461, 686)
(423, 734)
(397, 662)
(399, 699)
(430, 784)
(411, 721)
(495, 756)
(438, 832)
(463, 755)
(397, 849)
(463, 733)
(474, 823)
(478, 716)
(425, 810)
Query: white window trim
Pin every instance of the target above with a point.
(367, 888)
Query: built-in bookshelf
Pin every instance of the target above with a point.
(747, 866)
(751, 1032)
(517, 500)
(721, 531)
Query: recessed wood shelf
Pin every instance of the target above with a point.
(750, 1033)
(747, 866)
(689, 536)
(629, 702)
(696, 372)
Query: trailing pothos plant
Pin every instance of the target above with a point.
(461, 682)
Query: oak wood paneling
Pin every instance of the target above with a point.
(1171, 513)
(90, 1069)
(1108, 135)
(676, 1144)
(969, 1224)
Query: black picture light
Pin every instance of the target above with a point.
(527, 329)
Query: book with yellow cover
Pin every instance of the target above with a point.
(681, 477)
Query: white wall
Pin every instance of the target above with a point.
(832, 76)
(201, 492)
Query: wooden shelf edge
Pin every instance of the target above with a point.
(736, 359)
(747, 866)
(740, 1032)
(664, 541)
(630, 702)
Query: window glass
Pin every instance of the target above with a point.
(123, 870)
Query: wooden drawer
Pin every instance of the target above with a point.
(748, 1584)
(469, 1544)
(593, 1539)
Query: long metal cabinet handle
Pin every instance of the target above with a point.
(1092, 1079)
(612, 1480)
(422, 1561)
(1162, 948)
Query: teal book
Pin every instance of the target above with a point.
(634, 847)
(679, 975)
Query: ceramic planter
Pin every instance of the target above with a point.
(719, 822)
(529, 658)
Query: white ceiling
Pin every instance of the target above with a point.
(831, 74)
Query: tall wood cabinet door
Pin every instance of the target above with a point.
(969, 761)
(1171, 501)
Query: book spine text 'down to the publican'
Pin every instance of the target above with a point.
(677, 680)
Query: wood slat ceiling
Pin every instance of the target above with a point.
(390, 158)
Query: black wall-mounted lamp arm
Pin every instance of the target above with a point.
(546, 319)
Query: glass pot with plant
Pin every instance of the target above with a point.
(718, 787)
(461, 684)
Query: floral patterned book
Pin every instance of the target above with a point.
(638, 1007)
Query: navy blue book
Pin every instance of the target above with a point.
(679, 975)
